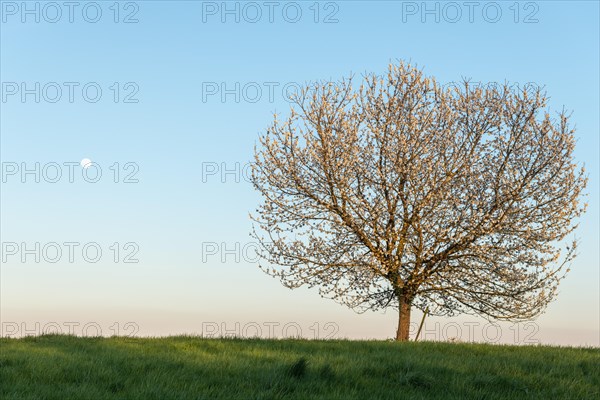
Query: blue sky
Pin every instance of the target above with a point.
(170, 57)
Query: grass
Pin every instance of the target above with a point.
(68, 367)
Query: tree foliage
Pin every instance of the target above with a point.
(403, 192)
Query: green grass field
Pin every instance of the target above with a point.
(67, 367)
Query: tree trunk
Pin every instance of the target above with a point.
(403, 319)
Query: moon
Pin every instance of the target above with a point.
(86, 163)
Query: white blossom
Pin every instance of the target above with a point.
(403, 194)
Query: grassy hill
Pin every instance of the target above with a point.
(67, 367)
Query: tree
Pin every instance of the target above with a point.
(401, 193)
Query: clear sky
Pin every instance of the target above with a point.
(176, 93)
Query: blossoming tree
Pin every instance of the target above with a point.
(400, 193)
